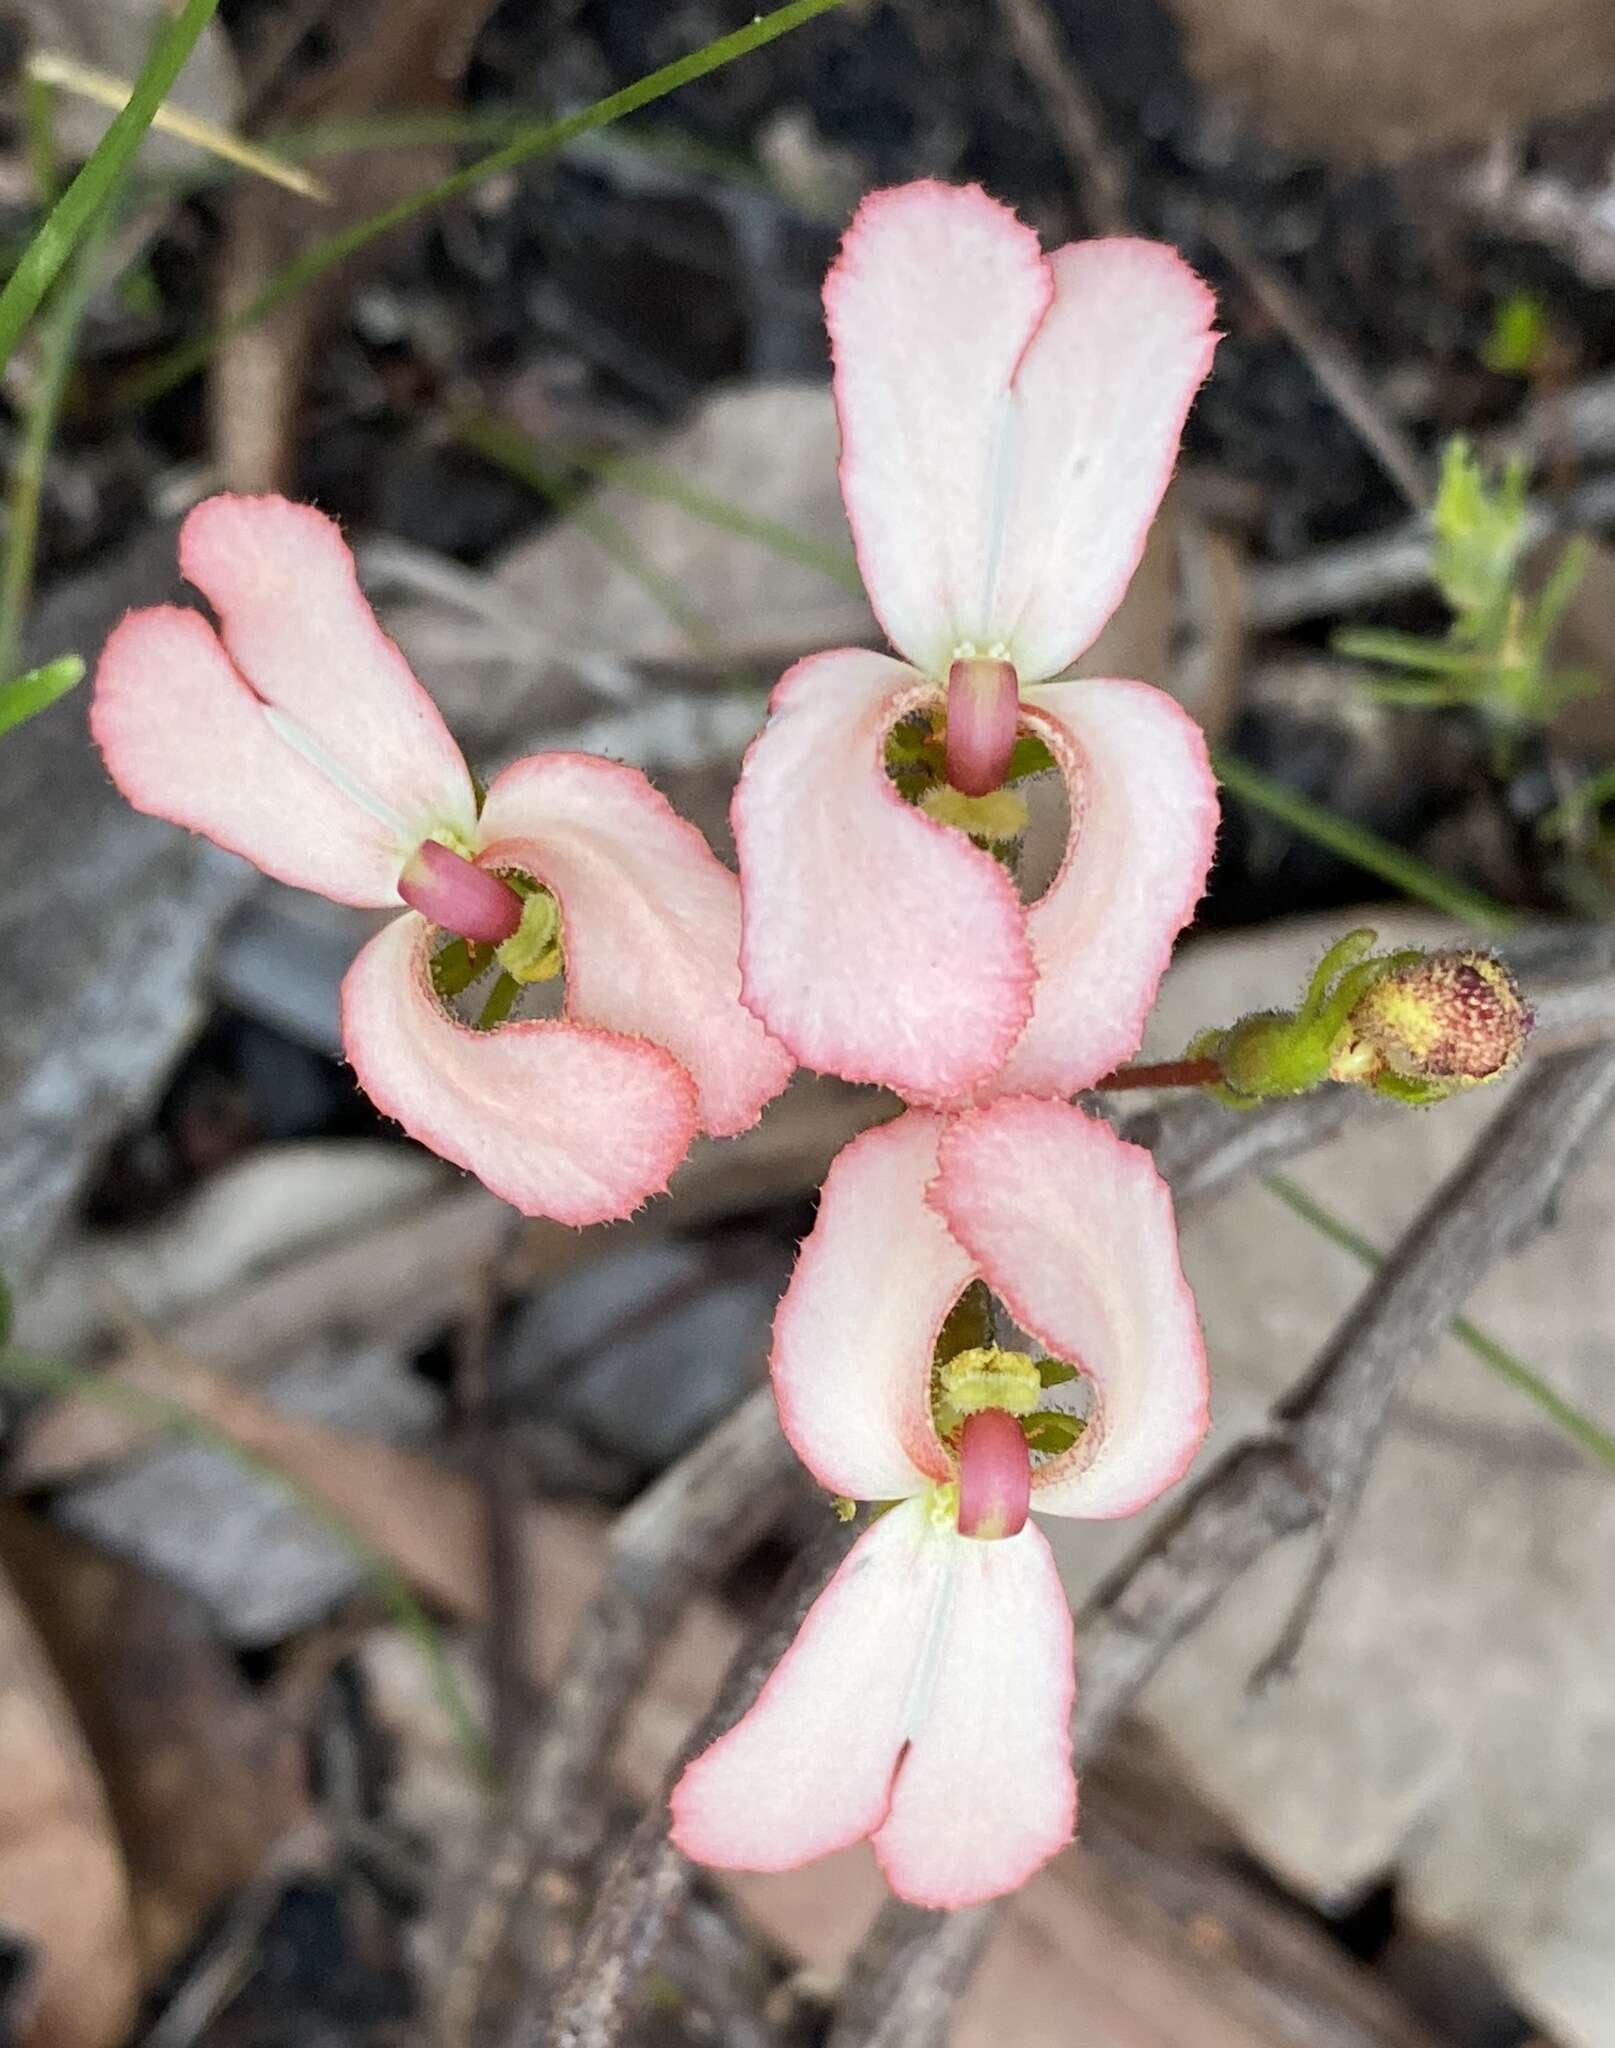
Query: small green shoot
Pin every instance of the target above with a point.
(1496, 656)
(1519, 338)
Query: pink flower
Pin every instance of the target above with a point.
(1008, 424)
(926, 1701)
(297, 736)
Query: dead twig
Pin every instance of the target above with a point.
(1072, 112)
(496, 1467)
(1325, 355)
(698, 1517)
(650, 1880)
(1323, 1439)
(1078, 122)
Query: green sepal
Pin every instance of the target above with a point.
(457, 965)
(501, 1001)
(1029, 756)
(968, 1325)
(1054, 1372)
(1051, 1431)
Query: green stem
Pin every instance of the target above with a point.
(173, 1419)
(324, 255)
(58, 337)
(70, 217)
(1595, 1441)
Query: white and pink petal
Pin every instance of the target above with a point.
(855, 1332)
(1143, 805)
(650, 922)
(185, 739)
(985, 1793)
(559, 1120)
(809, 1768)
(1100, 398)
(876, 943)
(1072, 1228)
(298, 628)
(931, 304)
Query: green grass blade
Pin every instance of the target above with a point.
(1407, 650)
(324, 255)
(1598, 1443)
(25, 696)
(652, 481)
(174, 1420)
(1598, 789)
(58, 338)
(68, 219)
(513, 452)
(1364, 849)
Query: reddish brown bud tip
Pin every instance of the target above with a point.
(1452, 1019)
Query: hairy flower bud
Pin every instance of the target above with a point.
(1433, 1025)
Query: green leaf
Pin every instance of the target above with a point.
(1054, 1372)
(72, 214)
(25, 696)
(58, 339)
(1027, 757)
(1596, 1441)
(543, 139)
(1365, 849)
(1051, 1431)
(1595, 792)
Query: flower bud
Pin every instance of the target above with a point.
(1434, 1024)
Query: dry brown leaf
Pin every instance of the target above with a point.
(62, 1881)
(400, 55)
(201, 1778)
(114, 36)
(413, 1272)
(424, 1519)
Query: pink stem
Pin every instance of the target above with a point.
(984, 708)
(459, 897)
(995, 1475)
